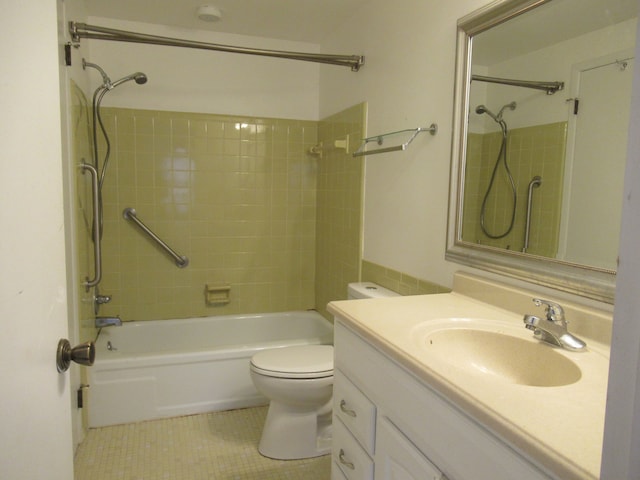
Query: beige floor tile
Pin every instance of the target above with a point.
(220, 446)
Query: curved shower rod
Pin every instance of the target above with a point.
(82, 30)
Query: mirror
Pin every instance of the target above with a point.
(541, 110)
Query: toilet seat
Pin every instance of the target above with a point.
(305, 361)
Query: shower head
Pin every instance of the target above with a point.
(139, 77)
(480, 109)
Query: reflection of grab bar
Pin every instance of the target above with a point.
(97, 253)
(535, 182)
(130, 214)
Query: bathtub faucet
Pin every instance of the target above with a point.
(108, 322)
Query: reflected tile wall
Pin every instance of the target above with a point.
(237, 195)
(538, 150)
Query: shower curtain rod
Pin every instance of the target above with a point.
(549, 87)
(82, 30)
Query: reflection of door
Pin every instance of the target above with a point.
(35, 429)
(592, 224)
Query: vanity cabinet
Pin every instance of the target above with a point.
(389, 425)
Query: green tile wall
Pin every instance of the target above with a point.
(80, 152)
(237, 195)
(339, 208)
(244, 199)
(399, 282)
(531, 151)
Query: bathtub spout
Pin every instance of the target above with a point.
(108, 322)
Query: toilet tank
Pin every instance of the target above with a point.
(368, 290)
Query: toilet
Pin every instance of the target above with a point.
(298, 381)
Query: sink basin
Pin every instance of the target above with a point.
(496, 354)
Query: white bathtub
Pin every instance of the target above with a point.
(165, 368)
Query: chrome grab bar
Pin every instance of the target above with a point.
(130, 214)
(97, 252)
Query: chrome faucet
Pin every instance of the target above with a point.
(553, 329)
(108, 322)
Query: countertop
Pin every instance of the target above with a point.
(560, 428)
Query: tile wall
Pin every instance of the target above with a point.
(243, 198)
(397, 281)
(80, 152)
(339, 208)
(236, 195)
(531, 151)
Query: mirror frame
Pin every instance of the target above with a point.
(590, 282)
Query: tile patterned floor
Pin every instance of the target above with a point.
(214, 446)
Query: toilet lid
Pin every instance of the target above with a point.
(305, 361)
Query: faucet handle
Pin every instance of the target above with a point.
(554, 311)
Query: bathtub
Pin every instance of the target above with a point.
(165, 368)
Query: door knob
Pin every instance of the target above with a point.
(84, 354)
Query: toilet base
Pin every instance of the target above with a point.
(291, 435)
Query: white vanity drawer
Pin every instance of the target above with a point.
(347, 453)
(355, 410)
(336, 473)
(397, 457)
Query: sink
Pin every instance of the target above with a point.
(496, 351)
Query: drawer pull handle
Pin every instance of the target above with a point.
(344, 462)
(348, 411)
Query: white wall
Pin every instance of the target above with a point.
(407, 81)
(190, 80)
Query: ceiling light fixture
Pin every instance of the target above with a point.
(209, 13)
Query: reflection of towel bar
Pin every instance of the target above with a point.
(379, 139)
(130, 214)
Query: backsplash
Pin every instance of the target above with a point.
(397, 281)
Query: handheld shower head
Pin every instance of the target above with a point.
(139, 77)
(480, 109)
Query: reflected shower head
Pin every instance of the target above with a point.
(139, 77)
(480, 109)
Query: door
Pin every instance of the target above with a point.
(35, 406)
(597, 167)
